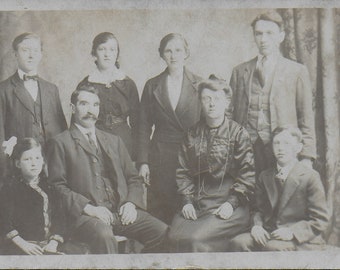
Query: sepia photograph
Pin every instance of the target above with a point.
(169, 134)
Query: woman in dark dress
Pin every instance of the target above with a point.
(215, 179)
(119, 100)
(169, 104)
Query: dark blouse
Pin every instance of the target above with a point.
(119, 107)
(216, 165)
(28, 212)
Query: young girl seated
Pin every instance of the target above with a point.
(27, 220)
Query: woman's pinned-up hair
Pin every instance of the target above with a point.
(165, 40)
(103, 38)
(215, 84)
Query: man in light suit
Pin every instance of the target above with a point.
(291, 208)
(271, 91)
(97, 183)
(29, 105)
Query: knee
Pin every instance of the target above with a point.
(103, 233)
(242, 242)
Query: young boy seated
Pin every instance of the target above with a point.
(291, 208)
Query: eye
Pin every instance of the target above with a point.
(96, 104)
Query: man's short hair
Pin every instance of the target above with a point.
(24, 36)
(83, 87)
(215, 84)
(271, 16)
(292, 130)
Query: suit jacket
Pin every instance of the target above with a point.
(71, 174)
(302, 206)
(17, 113)
(170, 125)
(290, 86)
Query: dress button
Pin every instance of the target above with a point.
(94, 160)
(98, 187)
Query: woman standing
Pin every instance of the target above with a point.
(119, 101)
(169, 103)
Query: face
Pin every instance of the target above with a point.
(29, 54)
(174, 53)
(268, 37)
(106, 54)
(286, 148)
(214, 103)
(31, 163)
(86, 111)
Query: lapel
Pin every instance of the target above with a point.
(277, 78)
(248, 76)
(21, 93)
(161, 95)
(45, 96)
(290, 186)
(81, 140)
(270, 186)
(188, 93)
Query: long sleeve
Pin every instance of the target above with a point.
(145, 125)
(184, 180)
(7, 228)
(73, 202)
(244, 184)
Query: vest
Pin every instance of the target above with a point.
(38, 131)
(259, 111)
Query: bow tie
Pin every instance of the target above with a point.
(30, 77)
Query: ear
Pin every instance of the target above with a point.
(282, 36)
(298, 148)
(17, 164)
(73, 108)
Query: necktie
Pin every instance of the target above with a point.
(91, 141)
(30, 77)
(261, 69)
(279, 181)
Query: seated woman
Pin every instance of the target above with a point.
(215, 177)
(25, 209)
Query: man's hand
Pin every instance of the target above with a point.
(144, 171)
(260, 235)
(189, 211)
(99, 212)
(284, 234)
(128, 213)
(51, 246)
(224, 211)
(27, 247)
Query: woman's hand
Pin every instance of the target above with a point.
(260, 235)
(128, 213)
(27, 247)
(144, 171)
(189, 211)
(51, 246)
(224, 211)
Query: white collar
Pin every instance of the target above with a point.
(271, 59)
(86, 131)
(98, 77)
(22, 73)
(283, 172)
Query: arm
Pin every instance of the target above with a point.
(305, 114)
(243, 188)
(73, 202)
(133, 116)
(317, 214)
(233, 86)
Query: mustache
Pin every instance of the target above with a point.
(90, 116)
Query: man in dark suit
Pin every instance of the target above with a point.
(98, 184)
(29, 105)
(271, 91)
(291, 208)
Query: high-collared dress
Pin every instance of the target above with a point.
(216, 166)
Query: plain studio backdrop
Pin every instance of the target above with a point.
(218, 40)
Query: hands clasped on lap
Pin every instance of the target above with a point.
(224, 211)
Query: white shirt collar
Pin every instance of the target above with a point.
(271, 59)
(22, 73)
(98, 77)
(86, 131)
(283, 172)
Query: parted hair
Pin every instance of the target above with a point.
(102, 38)
(82, 87)
(22, 37)
(271, 16)
(165, 40)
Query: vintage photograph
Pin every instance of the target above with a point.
(186, 134)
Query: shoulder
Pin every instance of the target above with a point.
(4, 85)
(61, 138)
(83, 81)
(293, 66)
(308, 173)
(156, 80)
(237, 130)
(245, 65)
(193, 77)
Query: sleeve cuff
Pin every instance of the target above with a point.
(57, 238)
(234, 201)
(12, 234)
